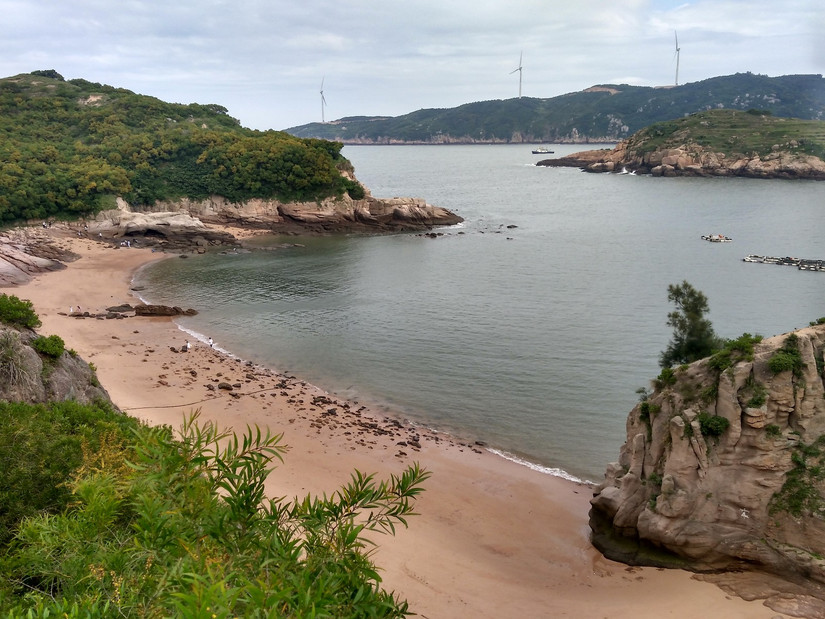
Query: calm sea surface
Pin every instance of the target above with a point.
(531, 325)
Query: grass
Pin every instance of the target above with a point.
(734, 133)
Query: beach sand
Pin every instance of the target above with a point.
(493, 539)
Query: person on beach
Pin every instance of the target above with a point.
(210, 343)
(188, 345)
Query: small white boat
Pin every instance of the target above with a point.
(716, 238)
(542, 150)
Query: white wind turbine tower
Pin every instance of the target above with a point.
(519, 68)
(323, 101)
(676, 55)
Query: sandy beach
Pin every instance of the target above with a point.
(493, 539)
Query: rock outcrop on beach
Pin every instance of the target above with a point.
(723, 467)
(23, 255)
(28, 376)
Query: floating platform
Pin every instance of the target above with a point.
(803, 264)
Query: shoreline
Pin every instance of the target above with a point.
(493, 538)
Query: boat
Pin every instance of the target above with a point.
(542, 150)
(716, 238)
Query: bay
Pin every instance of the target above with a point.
(529, 326)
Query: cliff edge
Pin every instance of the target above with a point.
(723, 467)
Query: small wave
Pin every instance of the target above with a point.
(547, 470)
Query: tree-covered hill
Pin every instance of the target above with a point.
(605, 113)
(70, 147)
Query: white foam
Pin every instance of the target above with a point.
(547, 470)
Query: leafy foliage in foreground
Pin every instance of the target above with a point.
(186, 530)
(41, 446)
(70, 147)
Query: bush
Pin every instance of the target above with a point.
(186, 530)
(666, 378)
(773, 430)
(17, 312)
(712, 425)
(13, 370)
(41, 446)
(51, 346)
(787, 358)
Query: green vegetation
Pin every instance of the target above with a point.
(787, 358)
(13, 372)
(160, 526)
(666, 378)
(818, 321)
(18, 313)
(609, 112)
(70, 147)
(773, 430)
(51, 346)
(41, 446)
(712, 425)
(693, 335)
(734, 351)
(800, 494)
(758, 393)
(733, 133)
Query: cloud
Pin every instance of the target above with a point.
(264, 60)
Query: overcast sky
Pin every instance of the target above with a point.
(265, 60)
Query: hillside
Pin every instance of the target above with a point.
(715, 143)
(605, 113)
(72, 147)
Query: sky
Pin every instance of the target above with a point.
(266, 60)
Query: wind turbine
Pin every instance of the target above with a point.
(519, 68)
(676, 55)
(323, 101)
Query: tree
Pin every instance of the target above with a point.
(693, 334)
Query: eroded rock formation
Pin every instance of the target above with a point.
(751, 496)
(27, 376)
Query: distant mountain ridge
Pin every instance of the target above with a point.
(602, 113)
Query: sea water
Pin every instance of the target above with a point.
(530, 326)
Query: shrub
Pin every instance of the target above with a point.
(733, 351)
(712, 425)
(773, 430)
(818, 321)
(13, 370)
(666, 378)
(17, 312)
(41, 446)
(787, 358)
(51, 346)
(186, 530)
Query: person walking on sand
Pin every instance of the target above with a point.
(210, 343)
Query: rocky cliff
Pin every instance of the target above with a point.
(723, 466)
(330, 215)
(28, 376)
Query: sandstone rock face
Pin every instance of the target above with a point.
(26, 376)
(751, 497)
(330, 215)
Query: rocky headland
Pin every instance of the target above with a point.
(693, 160)
(718, 143)
(186, 226)
(723, 468)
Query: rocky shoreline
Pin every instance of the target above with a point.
(693, 160)
(188, 226)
